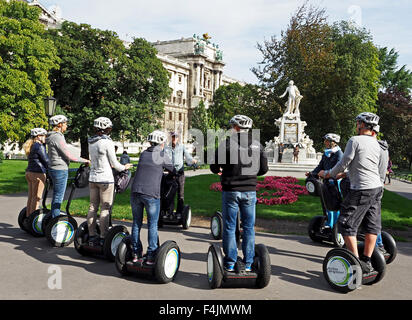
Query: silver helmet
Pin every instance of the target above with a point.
(332, 137)
(157, 136)
(102, 123)
(55, 120)
(368, 118)
(243, 122)
(38, 132)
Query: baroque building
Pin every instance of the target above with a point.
(195, 67)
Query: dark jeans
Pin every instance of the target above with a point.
(180, 195)
(59, 178)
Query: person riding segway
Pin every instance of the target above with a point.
(161, 262)
(175, 185)
(36, 176)
(360, 207)
(239, 181)
(60, 158)
(104, 238)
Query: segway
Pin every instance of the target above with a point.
(313, 184)
(316, 230)
(168, 192)
(112, 239)
(389, 244)
(164, 269)
(60, 230)
(216, 227)
(218, 277)
(343, 271)
(33, 223)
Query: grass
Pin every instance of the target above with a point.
(396, 210)
(12, 176)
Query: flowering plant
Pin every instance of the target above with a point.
(274, 190)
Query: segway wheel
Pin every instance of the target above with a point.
(186, 217)
(123, 254)
(342, 270)
(390, 246)
(35, 222)
(112, 240)
(378, 263)
(80, 237)
(262, 265)
(214, 271)
(311, 187)
(60, 231)
(45, 221)
(21, 218)
(314, 227)
(337, 237)
(167, 262)
(216, 226)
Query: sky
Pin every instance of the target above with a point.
(238, 25)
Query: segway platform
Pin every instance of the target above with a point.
(343, 271)
(218, 277)
(108, 250)
(184, 219)
(318, 233)
(164, 269)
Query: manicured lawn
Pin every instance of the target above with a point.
(12, 176)
(396, 210)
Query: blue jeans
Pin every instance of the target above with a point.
(59, 179)
(152, 205)
(232, 202)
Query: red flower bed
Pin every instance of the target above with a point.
(284, 190)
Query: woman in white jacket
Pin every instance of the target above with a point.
(101, 180)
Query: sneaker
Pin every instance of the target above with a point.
(248, 268)
(178, 216)
(382, 250)
(230, 268)
(367, 267)
(150, 261)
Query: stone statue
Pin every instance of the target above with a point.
(294, 99)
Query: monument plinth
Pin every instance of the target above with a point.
(292, 133)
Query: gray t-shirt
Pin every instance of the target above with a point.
(361, 157)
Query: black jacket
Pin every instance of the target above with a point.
(149, 172)
(248, 162)
(38, 159)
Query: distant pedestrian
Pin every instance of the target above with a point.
(389, 171)
(124, 158)
(281, 149)
(295, 154)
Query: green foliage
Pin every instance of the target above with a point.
(26, 59)
(391, 76)
(334, 66)
(99, 76)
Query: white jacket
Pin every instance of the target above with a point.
(103, 158)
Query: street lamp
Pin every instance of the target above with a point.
(49, 106)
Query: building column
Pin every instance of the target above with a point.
(197, 84)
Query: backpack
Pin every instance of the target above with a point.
(121, 180)
(81, 180)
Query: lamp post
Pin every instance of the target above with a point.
(49, 107)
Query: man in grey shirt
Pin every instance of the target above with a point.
(362, 205)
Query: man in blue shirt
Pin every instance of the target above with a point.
(178, 154)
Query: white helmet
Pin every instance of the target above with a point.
(38, 132)
(243, 122)
(102, 123)
(332, 137)
(157, 136)
(376, 128)
(369, 118)
(55, 120)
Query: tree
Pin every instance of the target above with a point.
(334, 66)
(99, 76)
(395, 111)
(26, 59)
(391, 76)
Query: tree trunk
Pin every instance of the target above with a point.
(84, 145)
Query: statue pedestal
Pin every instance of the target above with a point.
(292, 133)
